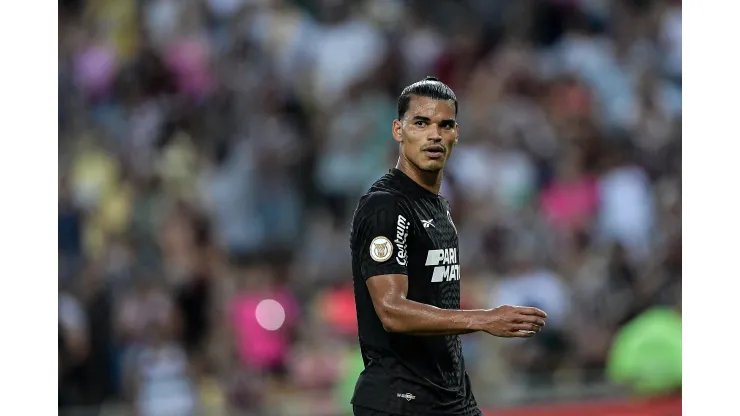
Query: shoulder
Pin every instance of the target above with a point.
(381, 202)
(381, 209)
(380, 199)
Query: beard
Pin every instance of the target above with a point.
(421, 160)
(432, 169)
(431, 166)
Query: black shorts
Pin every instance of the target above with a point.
(364, 411)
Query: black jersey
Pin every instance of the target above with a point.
(401, 228)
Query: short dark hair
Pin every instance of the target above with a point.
(430, 87)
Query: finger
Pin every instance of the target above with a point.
(526, 327)
(530, 319)
(521, 334)
(531, 311)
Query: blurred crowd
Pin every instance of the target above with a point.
(211, 154)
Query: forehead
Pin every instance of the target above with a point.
(431, 108)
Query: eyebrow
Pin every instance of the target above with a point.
(429, 120)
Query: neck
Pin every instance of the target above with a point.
(431, 181)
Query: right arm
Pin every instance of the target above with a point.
(401, 315)
(385, 272)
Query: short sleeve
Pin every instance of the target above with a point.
(381, 235)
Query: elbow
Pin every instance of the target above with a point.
(390, 318)
(391, 325)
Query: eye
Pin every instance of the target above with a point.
(420, 123)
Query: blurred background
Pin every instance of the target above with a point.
(211, 154)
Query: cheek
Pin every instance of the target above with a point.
(413, 136)
(411, 147)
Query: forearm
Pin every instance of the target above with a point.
(409, 317)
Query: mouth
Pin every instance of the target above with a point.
(435, 151)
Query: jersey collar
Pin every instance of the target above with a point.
(410, 185)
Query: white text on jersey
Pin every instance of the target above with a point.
(446, 267)
(402, 232)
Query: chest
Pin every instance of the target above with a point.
(432, 227)
(433, 245)
(434, 258)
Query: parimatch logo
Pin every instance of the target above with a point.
(446, 267)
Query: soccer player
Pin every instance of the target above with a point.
(405, 264)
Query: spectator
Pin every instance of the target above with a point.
(262, 315)
(196, 137)
(569, 203)
(646, 354)
(73, 350)
(626, 213)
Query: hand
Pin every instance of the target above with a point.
(514, 321)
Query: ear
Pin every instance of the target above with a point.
(457, 133)
(397, 136)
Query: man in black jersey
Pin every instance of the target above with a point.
(405, 263)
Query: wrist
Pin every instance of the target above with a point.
(477, 320)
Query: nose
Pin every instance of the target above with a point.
(435, 134)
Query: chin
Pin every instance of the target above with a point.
(432, 166)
